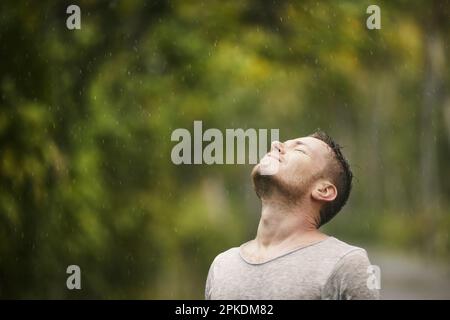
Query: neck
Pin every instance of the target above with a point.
(282, 224)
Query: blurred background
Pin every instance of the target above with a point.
(86, 117)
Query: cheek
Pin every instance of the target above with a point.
(298, 166)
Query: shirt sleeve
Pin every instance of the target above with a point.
(353, 277)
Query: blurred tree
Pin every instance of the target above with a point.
(86, 118)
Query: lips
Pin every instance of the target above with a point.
(269, 164)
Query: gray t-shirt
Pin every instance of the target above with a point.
(329, 269)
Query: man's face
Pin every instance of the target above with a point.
(292, 166)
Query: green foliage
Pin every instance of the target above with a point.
(86, 118)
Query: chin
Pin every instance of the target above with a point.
(261, 183)
(265, 177)
(256, 170)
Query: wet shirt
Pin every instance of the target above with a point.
(328, 269)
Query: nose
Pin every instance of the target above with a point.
(277, 146)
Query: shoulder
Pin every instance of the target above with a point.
(223, 261)
(216, 269)
(350, 273)
(226, 256)
(347, 257)
(341, 249)
(332, 252)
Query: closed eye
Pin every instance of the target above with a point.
(303, 146)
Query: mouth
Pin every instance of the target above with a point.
(269, 164)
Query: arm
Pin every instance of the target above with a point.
(209, 281)
(351, 279)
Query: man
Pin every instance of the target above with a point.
(290, 258)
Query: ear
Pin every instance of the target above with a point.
(324, 191)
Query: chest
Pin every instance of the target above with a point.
(286, 279)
